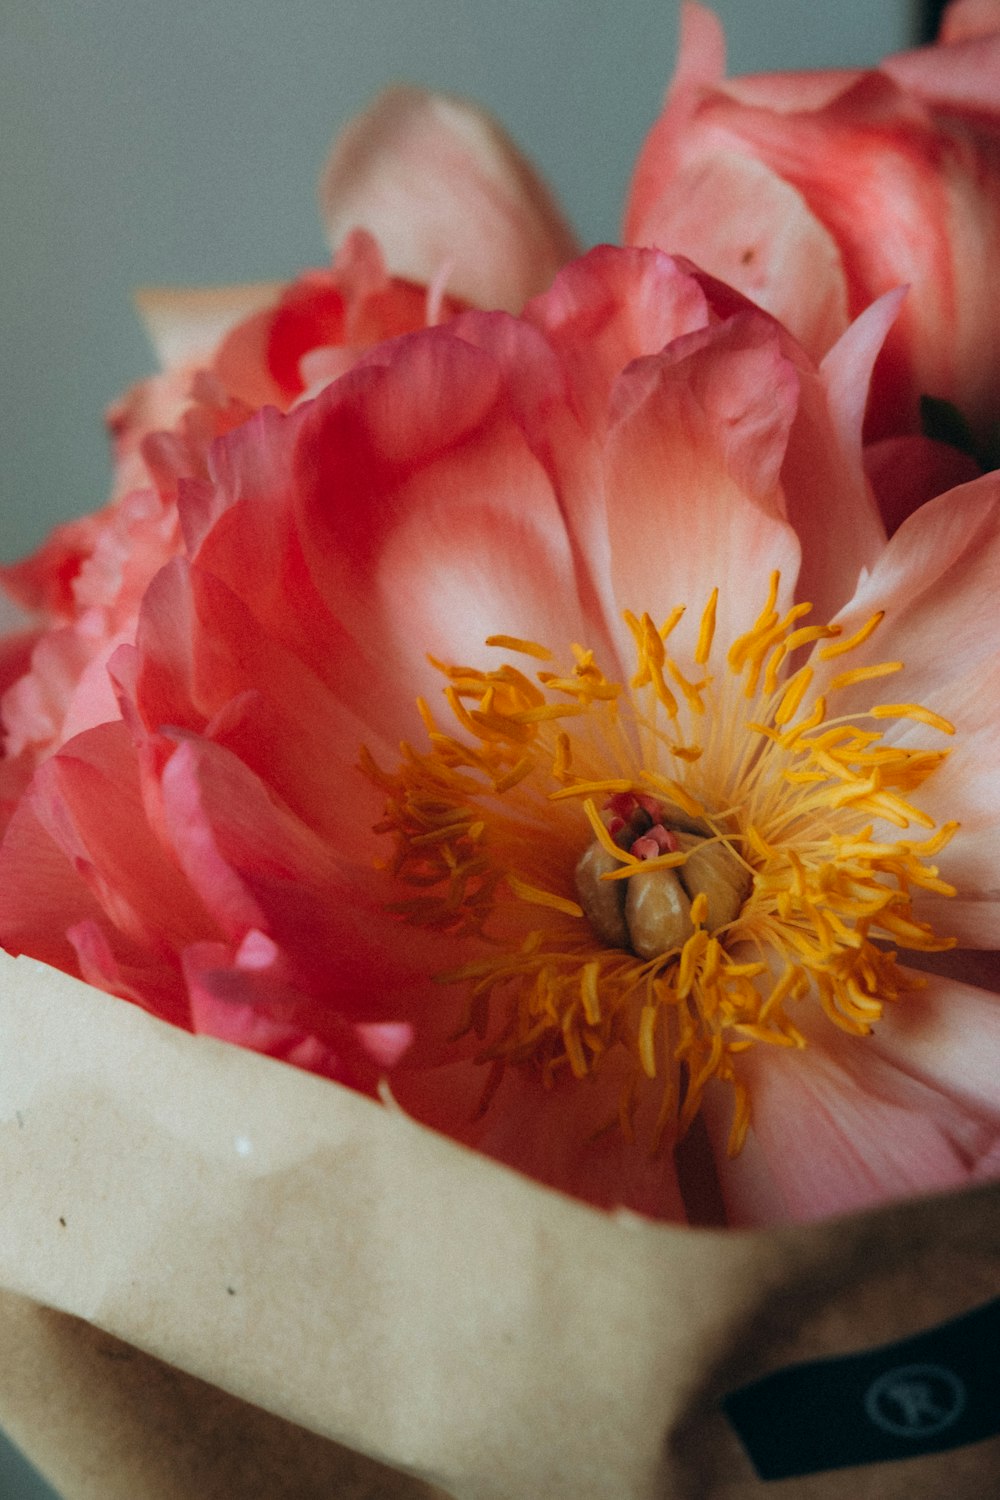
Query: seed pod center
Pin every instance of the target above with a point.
(649, 913)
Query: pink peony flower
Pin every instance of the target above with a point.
(227, 352)
(539, 725)
(814, 193)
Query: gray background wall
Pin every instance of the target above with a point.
(149, 143)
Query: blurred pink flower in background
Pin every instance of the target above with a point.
(814, 193)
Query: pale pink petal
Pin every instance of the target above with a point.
(440, 184)
(767, 243)
(963, 74)
(934, 581)
(910, 1109)
(186, 324)
(823, 474)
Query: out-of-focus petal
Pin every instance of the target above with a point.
(185, 324)
(965, 19)
(440, 185)
(905, 472)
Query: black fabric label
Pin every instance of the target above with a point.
(925, 1394)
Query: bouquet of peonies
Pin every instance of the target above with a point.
(545, 699)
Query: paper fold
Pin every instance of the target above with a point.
(326, 1259)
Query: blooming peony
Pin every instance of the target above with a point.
(814, 193)
(540, 725)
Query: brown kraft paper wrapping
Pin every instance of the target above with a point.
(387, 1298)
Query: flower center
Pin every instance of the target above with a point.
(665, 869)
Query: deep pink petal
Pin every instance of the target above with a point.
(258, 868)
(558, 1136)
(906, 472)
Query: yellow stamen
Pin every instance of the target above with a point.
(912, 711)
(526, 648)
(490, 820)
(706, 630)
(851, 642)
(535, 897)
(864, 674)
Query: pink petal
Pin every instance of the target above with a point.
(701, 65)
(424, 514)
(257, 867)
(965, 19)
(936, 582)
(906, 472)
(693, 477)
(823, 475)
(557, 1135)
(768, 243)
(185, 325)
(962, 74)
(440, 184)
(854, 1121)
(608, 308)
(89, 800)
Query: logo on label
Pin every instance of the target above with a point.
(915, 1401)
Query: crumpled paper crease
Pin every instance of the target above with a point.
(300, 1248)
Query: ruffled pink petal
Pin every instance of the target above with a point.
(440, 185)
(89, 800)
(258, 868)
(248, 997)
(85, 887)
(423, 513)
(608, 308)
(693, 478)
(209, 666)
(42, 895)
(107, 962)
